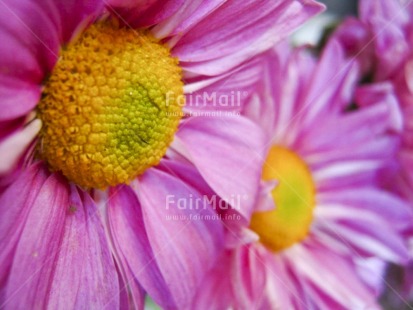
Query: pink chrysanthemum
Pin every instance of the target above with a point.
(324, 243)
(89, 103)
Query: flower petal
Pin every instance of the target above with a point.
(31, 40)
(56, 256)
(215, 292)
(85, 272)
(18, 98)
(73, 14)
(161, 243)
(144, 13)
(12, 148)
(229, 153)
(235, 26)
(185, 239)
(132, 246)
(15, 204)
(338, 281)
(227, 92)
(248, 276)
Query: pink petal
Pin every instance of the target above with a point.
(227, 92)
(7, 128)
(15, 205)
(248, 276)
(185, 247)
(133, 249)
(237, 31)
(186, 172)
(30, 40)
(338, 279)
(168, 243)
(85, 272)
(382, 94)
(38, 246)
(375, 201)
(265, 199)
(340, 75)
(234, 26)
(229, 153)
(75, 14)
(12, 148)
(188, 15)
(54, 255)
(215, 292)
(360, 235)
(18, 98)
(144, 13)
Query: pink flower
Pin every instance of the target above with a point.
(87, 96)
(324, 244)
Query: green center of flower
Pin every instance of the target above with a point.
(105, 109)
(294, 198)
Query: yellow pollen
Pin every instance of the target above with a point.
(111, 106)
(294, 198)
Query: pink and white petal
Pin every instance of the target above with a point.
(74, 15)
(135, 295)
(12, 148)
(382, 94)
(359, 232)
(214, 146)
(374, 201)
(185, 239)
(132, 295)
(372, 121)
(238, 26)
(130, 241)
(85, 273)
(298, 68)
(18, 98)
(188, 15)
(372, 271)
(37, 249)
(169, 243)
(187, 173)
(227, 92)
(235, 224)
(348, 174)
(382, 148)
(7, 128)
(340, 75)
(339, 279)
(15, 205)
(59, 258)
(236, 232)
(265, 200)
(145, 13)
(281, 287)
(248, 276)
(278, 113)
(30, 41)
(216, 291)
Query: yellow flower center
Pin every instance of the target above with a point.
(105, 109)
(294, 197)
